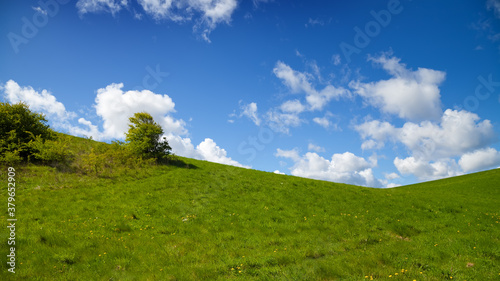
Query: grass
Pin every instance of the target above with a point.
(195, 220)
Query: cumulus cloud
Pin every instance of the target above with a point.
(344, 168)
(457, 132)
(98, 6)
(42, 101)
(480, 159)
(278, 172)
(434, 146)
(209, 151)
(300, 82)
(114, 106)
(427, 170)
(412, 95)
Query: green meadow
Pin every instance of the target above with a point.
(196, 220)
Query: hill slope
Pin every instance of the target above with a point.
(203, 221)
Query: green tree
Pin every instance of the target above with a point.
(18, 127)
(144, 137)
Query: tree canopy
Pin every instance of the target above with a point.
(18, 127)
(145, 137)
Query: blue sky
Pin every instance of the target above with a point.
(375, 93)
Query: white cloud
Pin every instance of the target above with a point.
(434, 146)
(377, 132)
(209, 151)
(115, 107)
(211, 12)
(391, 176)
(42, 101)
(292, 106)
(480, 159)
(278, 172)
(392, 185)
(281, 122)
(290, 154)
(495, 6)
(206, 14)
(458, 132)
(299, 82)
(323, 122)
(250, 111)
(98, 6)
(326, 122)
(47, 104)
(413, 95)
(344, 168)
(426, 170)
(316, 148)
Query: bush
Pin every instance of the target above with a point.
(18, 127)
(144, 137)
(112, 160)
(56, 152)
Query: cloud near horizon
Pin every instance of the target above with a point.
(433, 146)
(344, 168)
(114, 106)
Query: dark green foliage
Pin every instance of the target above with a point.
(18, 127)
(144, 137)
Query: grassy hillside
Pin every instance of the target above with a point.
(197, 220)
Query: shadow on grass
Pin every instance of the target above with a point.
(176, 162)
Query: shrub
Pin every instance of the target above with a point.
(144, 137)
(18, 127)
(55, 152)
